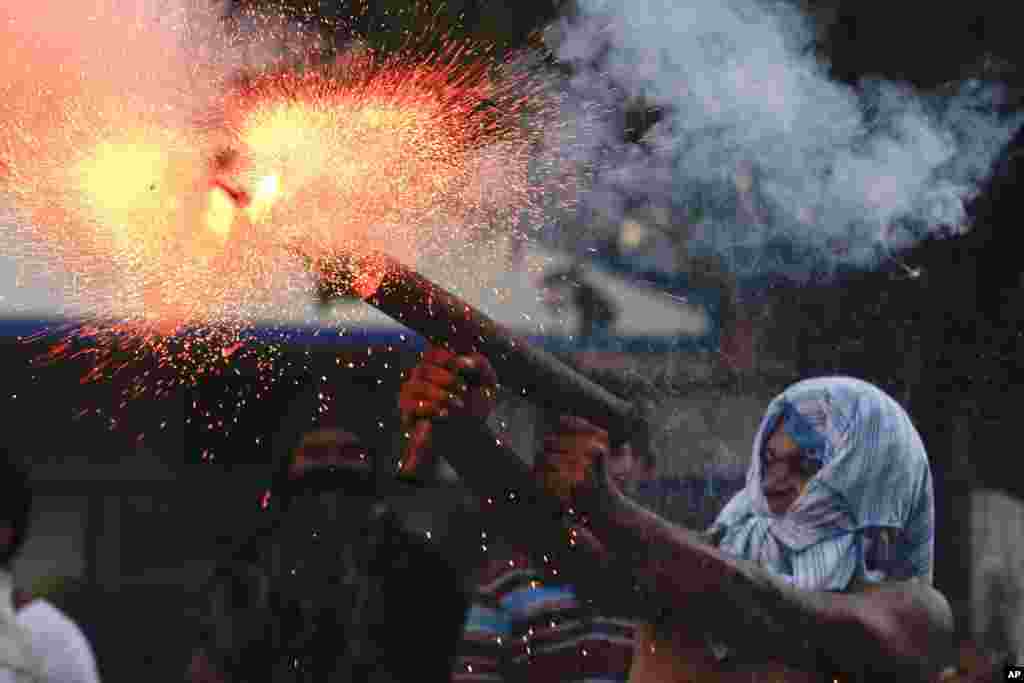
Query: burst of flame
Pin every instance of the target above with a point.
(220, 213)
(265, 194)
(115, 183)
(381, 164)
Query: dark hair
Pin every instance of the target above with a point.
(355, 610)
(15, 503)
(285, 488)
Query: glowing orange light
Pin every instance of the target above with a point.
(195, 229)
(265, 195)
(220, 213)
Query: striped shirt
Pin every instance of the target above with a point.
(523, 628)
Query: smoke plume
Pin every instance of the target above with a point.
(763, 159)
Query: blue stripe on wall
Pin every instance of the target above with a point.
(21, 329)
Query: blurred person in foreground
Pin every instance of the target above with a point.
(38, 642)
(522, 625)
(66, 652)
(820, 566)
(333, 587)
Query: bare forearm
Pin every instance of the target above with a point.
(759, 611)
(736, 599)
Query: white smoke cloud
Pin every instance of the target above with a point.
(837, 173)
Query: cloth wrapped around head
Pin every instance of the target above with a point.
(868, 514)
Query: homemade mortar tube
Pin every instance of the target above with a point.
(446, 320)
(520, 508)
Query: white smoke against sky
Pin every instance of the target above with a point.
(841, 173)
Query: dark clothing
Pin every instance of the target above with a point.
(336, 587)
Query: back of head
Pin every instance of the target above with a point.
(325, 460)
(350, 600)
(337, 587)
(330, 446)
(627, 384)
(15, 506)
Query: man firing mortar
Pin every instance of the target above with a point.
(821, 565)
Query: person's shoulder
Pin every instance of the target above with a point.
(40, 614)
(56, 635)
(47, 623)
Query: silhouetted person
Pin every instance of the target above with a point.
(334, 587)
(38, 641)
(19, 661)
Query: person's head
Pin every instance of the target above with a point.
(634, 460)
(828, 422)
(837, 465)
(330, 459)
(15, 507)
(327, 448)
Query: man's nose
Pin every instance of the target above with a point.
(775, 473)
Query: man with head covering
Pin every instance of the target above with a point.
(832, 538)
(822, 564)
(839, 489)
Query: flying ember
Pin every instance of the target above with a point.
(187, 220)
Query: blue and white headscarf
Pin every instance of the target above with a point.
(868, 513)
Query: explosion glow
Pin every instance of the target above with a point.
(183, 202)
